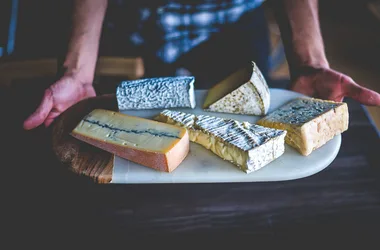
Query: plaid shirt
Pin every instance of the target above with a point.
(174, 27)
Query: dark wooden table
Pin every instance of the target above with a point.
(43, 198)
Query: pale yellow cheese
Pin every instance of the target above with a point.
(150, 143)
(248, 146)
(243, 92)
(310, 123)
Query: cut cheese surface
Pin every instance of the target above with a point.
(310, 122)
(154, 93)
(243, 92)
(246, 145)
(145, 141)
(226, 86)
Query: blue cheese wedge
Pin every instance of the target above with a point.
(248, 146)
(149, 143)
(243, 92)
(156, 93)
(310, 122)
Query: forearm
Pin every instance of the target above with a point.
(83, 46)
(298, 21)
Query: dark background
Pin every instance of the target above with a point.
(42, 25)
(351, 33)
(341, 203)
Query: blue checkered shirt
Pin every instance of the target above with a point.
(180, 25)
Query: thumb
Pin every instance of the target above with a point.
(50, 118)
(361, 94)
(43, 110)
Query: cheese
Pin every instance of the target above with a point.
(149, 143)
(248, 146)
(310, 122)
(154, 93)
(243, 92)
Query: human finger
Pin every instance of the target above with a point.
(43, 110)
(361, 94)
(51, 117)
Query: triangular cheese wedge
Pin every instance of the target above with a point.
(243, 92)
(246, 145)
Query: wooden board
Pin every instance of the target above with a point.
(200, 166)
(79, 157)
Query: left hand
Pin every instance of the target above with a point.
(57, 98)
(329, 84)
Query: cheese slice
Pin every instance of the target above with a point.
(149, 143)
(243, 92)
(248, 146)
(310, 122)
(155, 93)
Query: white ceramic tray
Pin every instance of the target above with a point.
(202, 166)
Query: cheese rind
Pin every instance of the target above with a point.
(146, 142)
(248, 146)
(243, 92)
(310, 122)
(154, 93)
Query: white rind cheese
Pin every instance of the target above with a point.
(259, 83)
(154, 93)
(310, 122)
(149, 143)
(246, 145)
(244, 92)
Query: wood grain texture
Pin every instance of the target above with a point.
(80, 157)
(340, 203)
(11, 70)
(341, 200)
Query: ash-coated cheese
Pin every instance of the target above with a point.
(248, 146)
(149, 143)
(243, 92)
(310, 122)
(155, 93)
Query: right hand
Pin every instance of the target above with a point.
(60, 96)
(328, 84)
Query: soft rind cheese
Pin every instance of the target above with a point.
(243, 92)
(154, 93)
(246, 145)
(310, 122)
(149, 143)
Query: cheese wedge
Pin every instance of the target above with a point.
(310, 122)
(146, 142)
(243, 92)
(155, 93)
(248, 146)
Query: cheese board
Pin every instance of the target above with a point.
(79, 157)
(202, 166)
(199, 166)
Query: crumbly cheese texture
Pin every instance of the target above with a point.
(154, 93)
(248, 146)
(147, 142)
(243, 92)
(310, 122)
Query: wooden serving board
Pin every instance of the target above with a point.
(199, 166)
(80, 157)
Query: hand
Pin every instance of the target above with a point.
(328, 84)
(57, 98)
